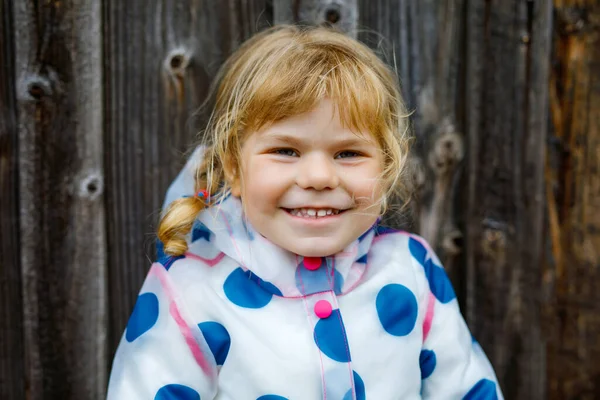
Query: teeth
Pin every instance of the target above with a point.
(312, 213)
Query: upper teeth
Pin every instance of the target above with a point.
(313, 213)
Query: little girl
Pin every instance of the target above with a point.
(276, 280)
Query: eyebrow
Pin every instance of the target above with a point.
(294, 141)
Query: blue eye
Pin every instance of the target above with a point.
(347, 154)
(286, 152)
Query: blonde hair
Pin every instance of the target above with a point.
(281, 72)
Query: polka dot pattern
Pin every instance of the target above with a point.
(163, 258)
(143, 317)
(483, 390)
(427, 362)
(397, 309)
(200, 231)
(271, 397)
(330, 337)
(245, 292)
(362, 260)
(217, 338)
(309, 282)
(176, 392)
(439, 283)
(382, 230)
(359, 386)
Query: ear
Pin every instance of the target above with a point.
(236, 187)
(235, 183)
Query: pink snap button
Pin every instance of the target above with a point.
(312, 263)
(322, 309)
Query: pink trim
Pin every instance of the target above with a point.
(162, 275)
(211, 262)
(428, 316)
(189, 339)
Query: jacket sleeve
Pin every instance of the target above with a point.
(162, 354)
(453, 365)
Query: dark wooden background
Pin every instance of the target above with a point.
(98, 105)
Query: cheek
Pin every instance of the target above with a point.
(263, 186)
(366, 183)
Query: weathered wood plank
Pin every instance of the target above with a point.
(574, 203)
(12, 351)
(160, 59)
(341, 14)
(506, 95)
(58, 65)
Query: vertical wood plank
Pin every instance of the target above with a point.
(12, 352)
(160, 58)
(58, 67)
(507, 45)
(341, 14)
(574, 203)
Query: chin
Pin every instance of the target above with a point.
(317, 251)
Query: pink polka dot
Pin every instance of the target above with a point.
(323, 309)
(312, 263)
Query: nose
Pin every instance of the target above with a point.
(318, 172)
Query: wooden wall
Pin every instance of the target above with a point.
(98, 106)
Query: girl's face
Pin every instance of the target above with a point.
(310, 185)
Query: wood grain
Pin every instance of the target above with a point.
(340, 14)
(506, 47)
(12, 346)
(160, 60)
(58, 90)
(574, 182)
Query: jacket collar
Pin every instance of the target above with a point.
(222, 228)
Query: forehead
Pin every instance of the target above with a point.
(322, 124)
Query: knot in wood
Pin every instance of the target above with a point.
(332, 15)
(91, 186)
(177, 62)
(35, 88)
(446, 153)
(452, 242)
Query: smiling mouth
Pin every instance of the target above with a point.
(313, 213)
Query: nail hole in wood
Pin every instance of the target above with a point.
(332, 16)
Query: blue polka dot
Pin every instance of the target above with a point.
(200, 231)
(418, 251)
(244, 292)
(165, 259)
(217, 338)
(176, 392)
(268, 286)
(320, 280)
(483, 390)
(330, 337)
(271, 397)
(338, 282)
(427, 361)
(382, 230)
(439, 283)
(397, 309)
(143, 317)
(362, 260)
(359, 385)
